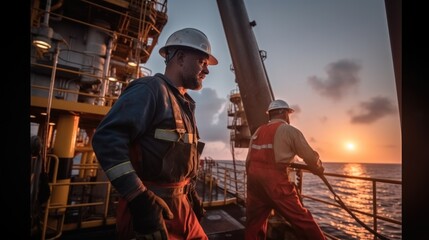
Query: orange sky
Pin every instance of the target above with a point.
(329, 61)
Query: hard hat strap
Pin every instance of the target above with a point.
(169, 56)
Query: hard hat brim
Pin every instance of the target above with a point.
(212, 59)
(289, 110)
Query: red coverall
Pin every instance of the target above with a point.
(185, 223)
(268, 188)
(134, 157)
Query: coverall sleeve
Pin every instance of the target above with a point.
(129, 116)
(304, 150)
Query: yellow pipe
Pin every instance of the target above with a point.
(64, 146)
(65, 140)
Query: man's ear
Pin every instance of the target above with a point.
(180, 56)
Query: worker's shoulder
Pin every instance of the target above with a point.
(146, 80)
(289, 128)
(147, 83)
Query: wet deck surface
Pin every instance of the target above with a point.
(223, 220)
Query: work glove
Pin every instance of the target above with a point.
(148, 212)
(196, 203)
(317, 169)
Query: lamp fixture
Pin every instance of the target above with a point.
(43, 37)
(131, 60)
(132, 63)
(112, 76)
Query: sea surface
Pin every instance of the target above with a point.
(355, 193)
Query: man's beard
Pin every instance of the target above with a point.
(192, 83)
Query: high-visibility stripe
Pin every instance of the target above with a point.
(119, 170)
(263, 146)
(173, 136)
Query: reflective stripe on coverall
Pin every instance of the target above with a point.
(182, 154)
(268, 188)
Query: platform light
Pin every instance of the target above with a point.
(112, 76)
(131, 60)
(43, 36)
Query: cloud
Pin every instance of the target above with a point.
(211, 115)
(296, 113)
(342, 77)
(220, 149)
(372, 110)
(296, 108)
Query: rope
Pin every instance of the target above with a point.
(339, 201)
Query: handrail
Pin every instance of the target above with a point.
(350, 210)
(218, 173)
(50, 206)
(48, 202)
(220, 170)
(110, 100)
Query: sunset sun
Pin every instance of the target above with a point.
(350, 146)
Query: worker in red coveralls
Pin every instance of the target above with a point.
(149, 148)
(273, 146)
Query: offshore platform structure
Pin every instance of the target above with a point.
(237, 122)
(84, 52)
(248, 102)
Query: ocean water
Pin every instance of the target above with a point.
(355, 193)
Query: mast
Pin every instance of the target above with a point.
(255, 89)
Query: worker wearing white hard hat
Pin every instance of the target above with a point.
(187, 38)
(148, 145)
(272, 147)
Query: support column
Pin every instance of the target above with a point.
(64, 148)
(248, 66)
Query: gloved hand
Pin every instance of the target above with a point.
(197, 204)
(317, 169)
(148, 212)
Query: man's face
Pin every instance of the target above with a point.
(195, 69)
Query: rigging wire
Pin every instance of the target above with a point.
(339, 201)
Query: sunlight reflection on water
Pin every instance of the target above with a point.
(356, 194)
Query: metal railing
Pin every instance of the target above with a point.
(218, 174)
(222, 172)
(55, 211)
(369, 211)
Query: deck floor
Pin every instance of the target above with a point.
(224, 222)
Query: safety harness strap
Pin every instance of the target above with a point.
(180, 127)
(169, 189)
(178, 134)
(173, 136)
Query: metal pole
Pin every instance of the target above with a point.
(248, 66)
(105, 85)
(49, 104)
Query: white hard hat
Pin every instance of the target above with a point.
(279, 104)
(189, 37)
